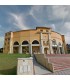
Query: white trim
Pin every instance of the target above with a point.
(35, 44)
(15, 45)
(60, 46)
(54, 45)
(25, 45)
(45, 46)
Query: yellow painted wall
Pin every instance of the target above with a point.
(56, 36)
(30, 36)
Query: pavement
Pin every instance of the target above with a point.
(62, 72)
(40, 70)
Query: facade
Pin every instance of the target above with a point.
(40, 40)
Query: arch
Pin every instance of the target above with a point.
(54, 42)
(35, 42)
(16, 43)
(25, 42)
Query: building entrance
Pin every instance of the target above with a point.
(16, 49)
(35, 49)
(54, 50)
(45, 50)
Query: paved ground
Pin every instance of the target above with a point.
(63, 72)
(38, 69)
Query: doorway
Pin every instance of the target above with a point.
(54, 50)
(45, 50)
(35, 49)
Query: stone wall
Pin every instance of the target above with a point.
(25, 66)
(44, 61)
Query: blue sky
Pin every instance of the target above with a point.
(14, 18)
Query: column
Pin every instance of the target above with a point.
(41, 44)
(58, 49)
(20, 49)
(30, 49)
(50, 43)
(63, 51)
(11, 49)
(11, 43)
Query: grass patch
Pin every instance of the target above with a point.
(8, 63)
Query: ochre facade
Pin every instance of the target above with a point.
(40, 40)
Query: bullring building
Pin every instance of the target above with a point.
(40, 40)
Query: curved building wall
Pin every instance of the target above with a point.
(56, 36)
(43, 35)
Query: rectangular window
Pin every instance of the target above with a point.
(41, 30)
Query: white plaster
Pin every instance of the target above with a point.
(50, 43)
(20, 49)
(30, 49)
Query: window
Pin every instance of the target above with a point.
(25, 42)
(54, 42)
(16, 43)
(8, 39)
(35, 42)
(41, 30)
(59, 44)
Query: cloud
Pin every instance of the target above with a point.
(50, 12)
(53, 26)
(35, 12)
(1, 41)
(67, 37)
(18, 20)
(59, 12)
(67, 25)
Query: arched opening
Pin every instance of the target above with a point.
(45, 50)
(16, 47)
(16, 43)
(59, 44)
(54, 42)
(25, 42)
(25, 47)
(35, 47)
(35, 42)
(60, 47)
(54, 46)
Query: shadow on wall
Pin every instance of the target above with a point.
(12, 71)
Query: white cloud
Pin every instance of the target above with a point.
(67, 25)
(18, 20)
(59, 12)
(53, 26)
(1, 41)
(50, 12)
(67, 37)
(36, 12)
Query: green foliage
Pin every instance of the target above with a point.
(8, 63)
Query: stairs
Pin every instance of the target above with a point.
(39, 69)
(59, 62)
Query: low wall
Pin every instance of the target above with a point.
(25, 66)
(44, 61)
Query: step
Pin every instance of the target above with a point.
(60, 67)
